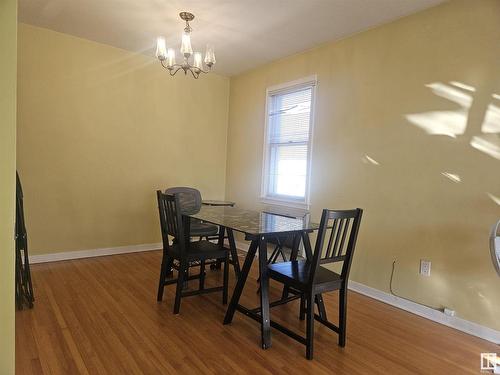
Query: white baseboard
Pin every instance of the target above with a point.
(417, 309)
(68, 255)
(426, 312)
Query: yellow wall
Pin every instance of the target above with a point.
(8, 46)
(99, 130)
(372, 91)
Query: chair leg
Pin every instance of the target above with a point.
(170, 271)
(342, 315)
(285, 292)
(180, 281)
(186, 277)
(234, 252)
(310, 326)
(202, 275)
(166, 266)
(302, 313)
(226, 280)
(321, 306)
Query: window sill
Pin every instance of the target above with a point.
(284, 202)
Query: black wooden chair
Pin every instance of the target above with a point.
(173, 223)
(24, 288)
(310, 279)
(190, 202)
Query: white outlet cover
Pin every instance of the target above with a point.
(425, 267)
(449, 312)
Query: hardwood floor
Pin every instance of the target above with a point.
(100, 316)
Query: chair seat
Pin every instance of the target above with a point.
(200, 250)
(296, 274)
(199, 229)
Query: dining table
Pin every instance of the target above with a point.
(259, 227)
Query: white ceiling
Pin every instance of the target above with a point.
(245, 33)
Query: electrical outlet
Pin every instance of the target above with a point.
(448, 311)
(425, 267)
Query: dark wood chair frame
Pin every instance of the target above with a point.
(23, 286)
(308, 288)
(173, 223)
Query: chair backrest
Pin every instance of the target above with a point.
(170, 218)
(189, 199)
(338, 230)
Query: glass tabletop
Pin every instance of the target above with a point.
(253, 223)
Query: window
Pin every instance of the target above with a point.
(287, 150)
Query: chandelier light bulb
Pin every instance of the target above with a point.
(186, 48)
(171, 57)
(197, 60)
(161, 48)
(210, 56)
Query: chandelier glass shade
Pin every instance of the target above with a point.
(195, 65)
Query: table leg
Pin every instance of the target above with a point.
(295, 246)
(293, 256)
(241, 282)
(220, 243)
(309, 255)
(234, 252)
(264, 295)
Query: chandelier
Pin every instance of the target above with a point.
(167, 57)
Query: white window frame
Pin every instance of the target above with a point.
(283, 88)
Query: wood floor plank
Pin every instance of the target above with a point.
(100, 316)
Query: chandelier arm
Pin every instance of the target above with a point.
(172, 72)
(195, 76)
(173, 69)
(161, 62)
(171, 66)
(189, 67)
(199, 70)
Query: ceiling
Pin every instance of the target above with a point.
(245, 33)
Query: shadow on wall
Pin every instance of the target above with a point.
(483, 136)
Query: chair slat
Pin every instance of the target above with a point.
(346, 229)
(337, 235)
(330, 241)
